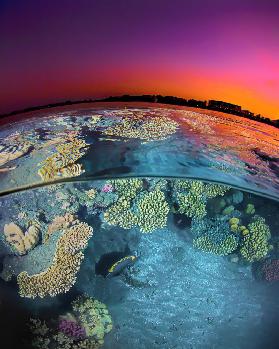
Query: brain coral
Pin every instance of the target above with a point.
(61, 275)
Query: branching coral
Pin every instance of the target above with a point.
(120, 213)
(255, 242)
(21, 242)
(152, 211)
(62, 163)
(94, 317)
(83, 328)
(192, 196)
(213, 236)
(227, 246)
(61, 275)
(148, 212)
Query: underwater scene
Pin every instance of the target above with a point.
(129, 226)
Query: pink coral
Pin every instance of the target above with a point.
(107, 188)
(71, 329)
(270, 270)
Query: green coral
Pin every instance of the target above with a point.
(214, 236)
(127, 187)
(94, 317)
(213, 190)
(227, 246)
(192, 196)
(152, 211)
(255, 243)
(137, 207)
(120, 214)
(89, 313)
(192, 205)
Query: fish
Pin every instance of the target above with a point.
(123, 263)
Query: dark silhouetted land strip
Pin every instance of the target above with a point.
(221, 106)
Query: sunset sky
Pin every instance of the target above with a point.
(55, 50)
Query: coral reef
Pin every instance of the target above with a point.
(60, 223)
(13, 147)
(227, 246)
(255, 242)
(83, 328)
(93, 316)
(192, 196)
(61, 275)
(152, 211)
(71, 329)
(137, 207)
(62, 163)
(142, 127)
(21, 242)
(120, 213)
(213, 236)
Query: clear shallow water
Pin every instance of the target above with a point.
(199, 261)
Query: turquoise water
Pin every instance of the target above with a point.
(139, 227)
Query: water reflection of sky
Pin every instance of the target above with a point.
(207, 145)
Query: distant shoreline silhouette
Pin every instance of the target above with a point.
(221, 106)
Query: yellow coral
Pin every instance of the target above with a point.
(61, 275)
(255, 241)
(94, 317)
(192, 196)
(20, 241)
(152, 211)
(62, 161)
(91, 193)
(213, 190)
(60, 223)
(234, 220)
(142, 127)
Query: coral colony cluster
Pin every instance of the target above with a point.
(84, 327)
(47, 237)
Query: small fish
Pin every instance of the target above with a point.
(117, 267)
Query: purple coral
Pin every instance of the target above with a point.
(107, 188)
(270, 270)
(71, 329)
